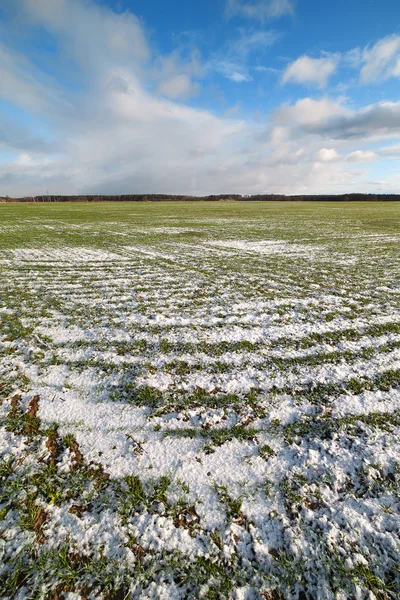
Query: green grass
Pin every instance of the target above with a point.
(225, 307)
(29, 220)
(216, 437)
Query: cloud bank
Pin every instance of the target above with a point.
(127, 124)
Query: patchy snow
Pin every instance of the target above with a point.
(60, 255)
(227, 413)
(267, 247)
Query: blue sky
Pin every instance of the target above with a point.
(245, 96)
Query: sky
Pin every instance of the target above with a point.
(199, 96)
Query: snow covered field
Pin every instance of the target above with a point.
(200, 401)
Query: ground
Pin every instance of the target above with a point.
(200, 400)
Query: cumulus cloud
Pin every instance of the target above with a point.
(93, 35)
(114, 134)
(382, 60)
(376, 120)
(124, 127)
(389, 151)
(178, 86)
(175, 75)
(330, 118)
(375, 63)
(327, 155)
(307, 70)
(361, 156)
(308, 112)
(262, 10)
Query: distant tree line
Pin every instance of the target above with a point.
(211, 198)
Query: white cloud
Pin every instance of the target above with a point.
(389, 151)
(381, 61)
(309, 113)
(315, 71)
(239, 77)
(262, 10)
(332, 119)
(23, 85)
(122, 131)
(178, 86)
(230, 70)
(376, 63)
(352, 58)
(92, 34)
(176, 75)
(361, 156)
(327, 155)
(249, 41)
(262, 69)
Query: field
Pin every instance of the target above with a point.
(200, 400)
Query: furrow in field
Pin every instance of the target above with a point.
(232, 383)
